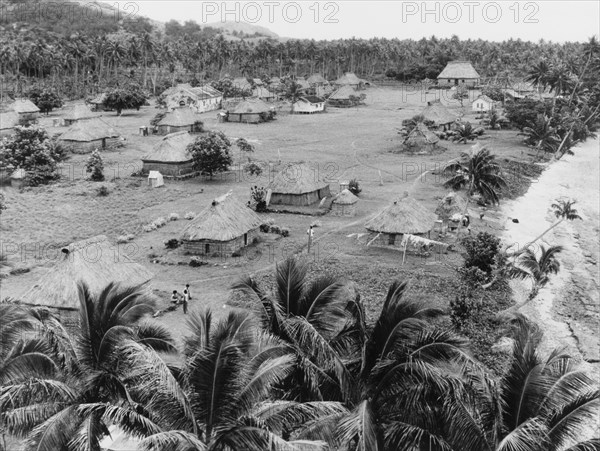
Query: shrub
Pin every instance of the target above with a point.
(122, 239)
(173, 217)
(195, 262)
(265, 228)
(95, 166)
(173, 243)
(189, 215)
(253, 169)
(210, 153)
(102, 191)
(482, 250)
(159, 222)
(237, 253)
(354, 187)
(258, 196)
(2, 203)
(285, 232)
(275, 229)
(45, 99)
(149, 227)
(463, 308)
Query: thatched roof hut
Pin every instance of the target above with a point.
(450, 205)
(262, 93)
(405, 215)
(98, 102)
(94, 261)
(9, 121)
(178, 120)
(86, 135)
(24, 106)
(349, 79)
(436, 112)
(298, 184)
(224, 227)
(421, 136)
(200, 99)
(316, 79)
(459, 73)
(344, 204)
(250, 111)
(344, 97)
(78, 112)
(170, 156)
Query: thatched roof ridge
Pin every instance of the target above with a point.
(9, 120)
(24, 106)
(345, 198)
(405, 215)
(225, 219)
(94, 261)
(172, 149)
(421, 134)
(484, 98)
(179, 117)
(79, 111)
(451, 204)
(459, 69)
(250, 106)
(89, 130)
(316, 78)
(297, 179)
(348, 79)
(344, 93)
(435, 111)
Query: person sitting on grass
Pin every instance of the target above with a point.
(175, 297)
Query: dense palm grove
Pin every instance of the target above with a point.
(297, 369)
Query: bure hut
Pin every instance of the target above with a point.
(344, 97)
(437, 113)
(404, 216)
(262, 93)
(458, 73)
(298, 184)
(344, 204)
(77, 113)
(87, 135)
(95, 261)
(8, 122)
(250, 111)
(224, 227)
(26, 110)
(350, 79)
(317, 80)
(170, 156)
(178, 120)
(421, 139)
(98, 102)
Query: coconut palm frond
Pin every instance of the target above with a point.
(323, 305)
(565, 388)
(290, 278)
(322, 428)
(27, 358)
(88, 437)
(172, 441)
(588, 445)
(360, 427)
(20, 421)
(529, 435)
(128, 418)
(399, 435)
(200, 327)
(267, 310)
(464, 427)
(17, 395)
(155, 336)
(56, 432)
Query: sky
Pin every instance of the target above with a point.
(556, 21)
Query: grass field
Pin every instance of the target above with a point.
(359, 143)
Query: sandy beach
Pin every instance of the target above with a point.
(568, 308)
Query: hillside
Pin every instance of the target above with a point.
(243, 29)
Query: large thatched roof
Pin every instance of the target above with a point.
(9, 120)
(24, 106)
(94, 261)
(344, 93)
(451, 204)
(438, 113)
(348, 79)
(421, 135)
(250, 106)
(262, 93)
(297, 179)
(179, 117)
(89, 130)
(405, 215)
(78, 112)
(225, 219)
(460, 70)
(316, 78)
(171, 149)
(345, 198)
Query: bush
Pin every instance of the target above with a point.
(122, 239)
(275, 229)
(173, 243)
(253, 169)
(258, 196)
(189, 215)
(354, 187)
(482, 250)
(463, 308)
(210, 153)
(159, 222)
(102, 191)
(45, 99)
(285, 232)
(237, 253)
(2, 203)
(130, 97)
(173, 217)
(195, 262)
(265, 228)
(95, 166)
(149, 227)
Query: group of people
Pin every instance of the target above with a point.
(183, 299)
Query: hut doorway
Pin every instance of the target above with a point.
(104, 143)
(392, 239)
(456, 81)
(207, 248)
(245, 239)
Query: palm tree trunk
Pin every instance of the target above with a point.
(521, 250)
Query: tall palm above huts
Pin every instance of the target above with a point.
(537, 269)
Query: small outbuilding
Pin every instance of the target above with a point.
(350, 79)
(17, 178)
(200, 99)
(155, 179)
(317, 80)
(250, 111)
(344, 204)
(77, 113)
(483, 103)
(309, 105)
(178, 120)
(404, 216)
(458, 73)
(8, 122)
(437, 113)
(298, 184)
(421, 139)
(344, 97)
(224, 227)
(87, 135)
(26, 110)
(170, 156)
(262, 93)
(98, 102)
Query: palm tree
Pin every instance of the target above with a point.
(400, 367)
(293, 92)
(306, 316)
(528, 266)
(229, 372)
(540, 404)
(564, 211)
(92, 388)
(542, 134)
(479, 172)
(464, 132)
(538, 75)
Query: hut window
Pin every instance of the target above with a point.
(207, 248)
(391, 239)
